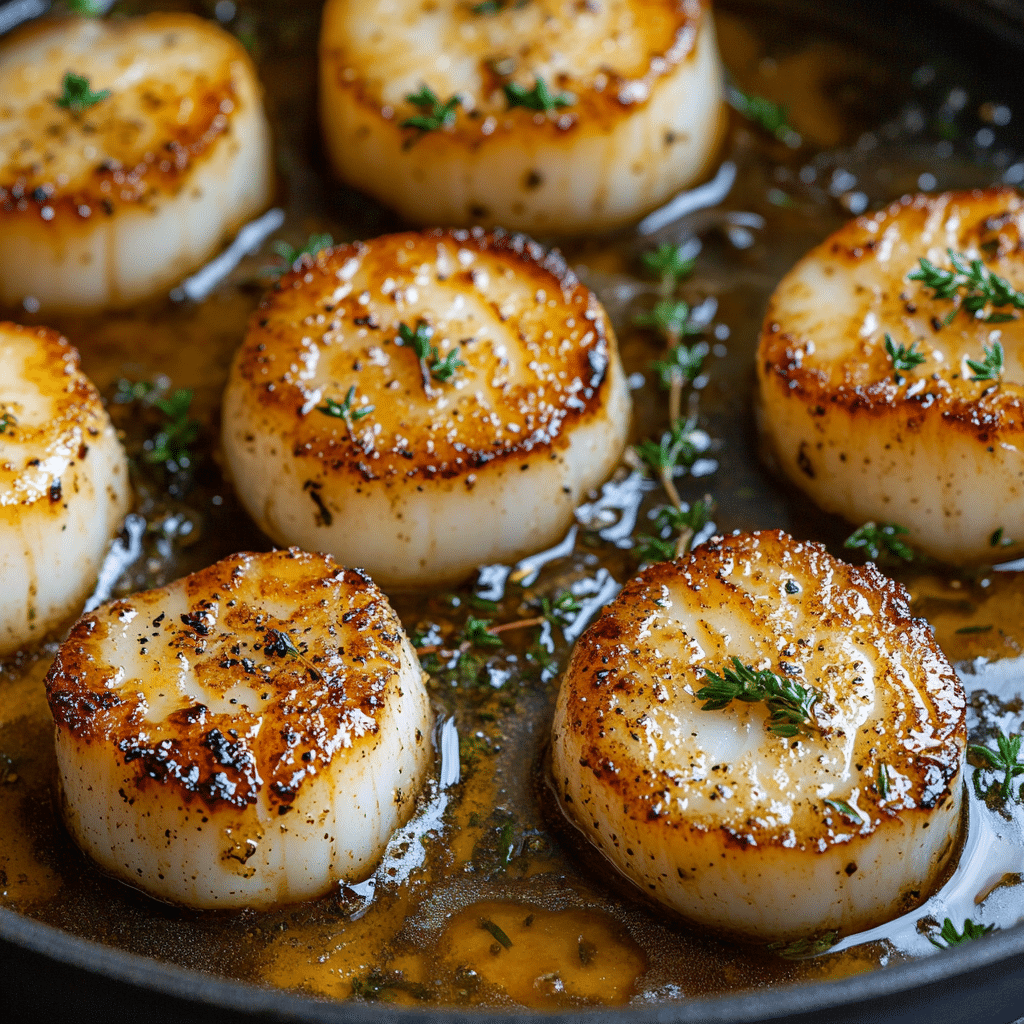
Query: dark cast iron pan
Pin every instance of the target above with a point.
(49, 975)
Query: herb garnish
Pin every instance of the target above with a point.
(538, 98)
(991, 366)
(280, 643)
(675, 448)
(902, 358)
(76, 95)
(682, 361)
(171, 443)
(431, 365)
(949, 936)
(790, 704)
(1005, 758)
(883, 781)
(687, 522)
(876, 538)
(490, 926)
(478, 633)
(997, 540)
(343, 410)
(805, 947)
(845, 810)
(7, 419)
(772, 117)
(314, 245)
(671, 317)
(980, 287)
(668, 263)
(434, 115)
(86, 8)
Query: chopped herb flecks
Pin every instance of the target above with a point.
(76, 95)
(538, 98)
(878, 538)
(434, 115)
(845, 810)
(772, 117)
(902, 358)
(949, 936)
(991, 367)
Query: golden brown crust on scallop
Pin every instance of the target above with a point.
(605, 684)
(418, 439)
(319, 689)
(862, 383)
(604, 95)
(136, 145)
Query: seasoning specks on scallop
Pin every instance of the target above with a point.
(764, 825)
(247, 736)
(130, 149)
(63, 484)
(546, 117)
(889, 399)
(422, 404)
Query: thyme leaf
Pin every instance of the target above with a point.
(675, 448)
(76, 95)
(902, 358)
(538, 98)
(676, 528)
(845, 810)
(991, 367)
(1005, 758)
(343, 410)
(433, 114)
(876, 538)
(432, 365)
(478, 632)
(668, 263)
(883, 781)
(681, 362)
(171, 443)
(970, 285)
(315, 244)
(949, 936)
(670, 316)
(770, 116)
(86, 8)
(790, 704)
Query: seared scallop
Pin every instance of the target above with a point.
(762, 738)
(130, 149)
(545, 117)
(247, 736)
(422, 404)
(893, 390)
(63, 484)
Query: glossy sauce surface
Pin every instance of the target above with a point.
(484, 897)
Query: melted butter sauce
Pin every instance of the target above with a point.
(485, 898)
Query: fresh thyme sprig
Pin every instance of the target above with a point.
(671, 317)
(538, 98)
(845, 810)
(676, 528)
(76, 95)
(7, 420)
(790, 704)
(902, 358)
(170, 444)
(949, 936)
(560, 610)
(676, 448)
(681, 363)
(343, 410)
(991, 367)
(1005, 758)
(431, 365)
(434, 115)
(315, 244)
(768, 115)
(970, 285)
(876, 538)
(668, 263)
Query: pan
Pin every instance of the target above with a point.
(897, 74)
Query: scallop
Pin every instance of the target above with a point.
(422, 404)
(882, 399)
(130, 150)
(827, 800)
(545, 117)
(63, 484)
(248, 736)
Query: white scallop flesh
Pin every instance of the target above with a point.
(442, 475)
(929, 448)
(63, 484)
(111, 204)
(644, 121)
(764, 836)
(248, 736)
